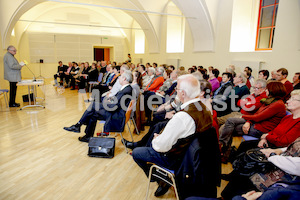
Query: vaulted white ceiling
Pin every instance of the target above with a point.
(111, 17)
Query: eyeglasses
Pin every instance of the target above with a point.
(13, 50)
(256, 88)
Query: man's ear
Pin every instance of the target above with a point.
(202, 93)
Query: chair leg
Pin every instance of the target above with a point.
(123, 141)
(133, 121)
(130, 132)
(162, 172)
(5, 99)
(149, 181)
(175, 187)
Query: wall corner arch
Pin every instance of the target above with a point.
(198, 18)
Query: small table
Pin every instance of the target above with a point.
(32, 85)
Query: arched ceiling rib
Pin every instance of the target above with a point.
(121, 14)
(199, 21)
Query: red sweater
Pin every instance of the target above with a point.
(251, 107)
(156, 84)
(268, 116)
(287, 131)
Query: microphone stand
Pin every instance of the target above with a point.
(34, 79)
(40, 76)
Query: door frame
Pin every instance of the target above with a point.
(107, 48)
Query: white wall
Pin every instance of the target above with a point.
(65, 47)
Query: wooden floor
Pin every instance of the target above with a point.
(40, 160)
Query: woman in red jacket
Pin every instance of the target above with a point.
(265, 119)
(288, 130)
(269, 114)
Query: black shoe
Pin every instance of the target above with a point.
(14, 105)
(162, 189)
(84, 139)
(148, 123)
(226, 150)
(226, 177)
(73, 128)
(130, 145)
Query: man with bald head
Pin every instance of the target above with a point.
(168, 148)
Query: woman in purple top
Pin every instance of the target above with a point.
(215, 84)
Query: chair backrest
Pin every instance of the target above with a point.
(3, 90)
(129, 109)
(201, 165)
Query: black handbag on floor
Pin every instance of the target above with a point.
(251, 162)
(101, 147)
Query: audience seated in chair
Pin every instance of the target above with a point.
(145, 77)
(93, 73)
(287, 164)
(150, 90)
(239, 91)
(111, 110)
(281, 75)
(60, 73)
(296, 81)
(248, 105)
(73, 74)
(68, 74)
(265, 119)
(167, 81)
(172, 87)
(221, 96)
(111, 79)
(180, 130)
(116, 86)
(215, 84)
(83, 76)
(151, 73)
(286, 132)
(263, 74)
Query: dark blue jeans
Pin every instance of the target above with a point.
(142, 155)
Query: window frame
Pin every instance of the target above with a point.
(272, 27)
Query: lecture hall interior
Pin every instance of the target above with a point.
(38, 158)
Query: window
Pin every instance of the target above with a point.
(266, 24)
(244, 25)
(139, 42)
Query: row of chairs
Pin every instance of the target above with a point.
(129, 118)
